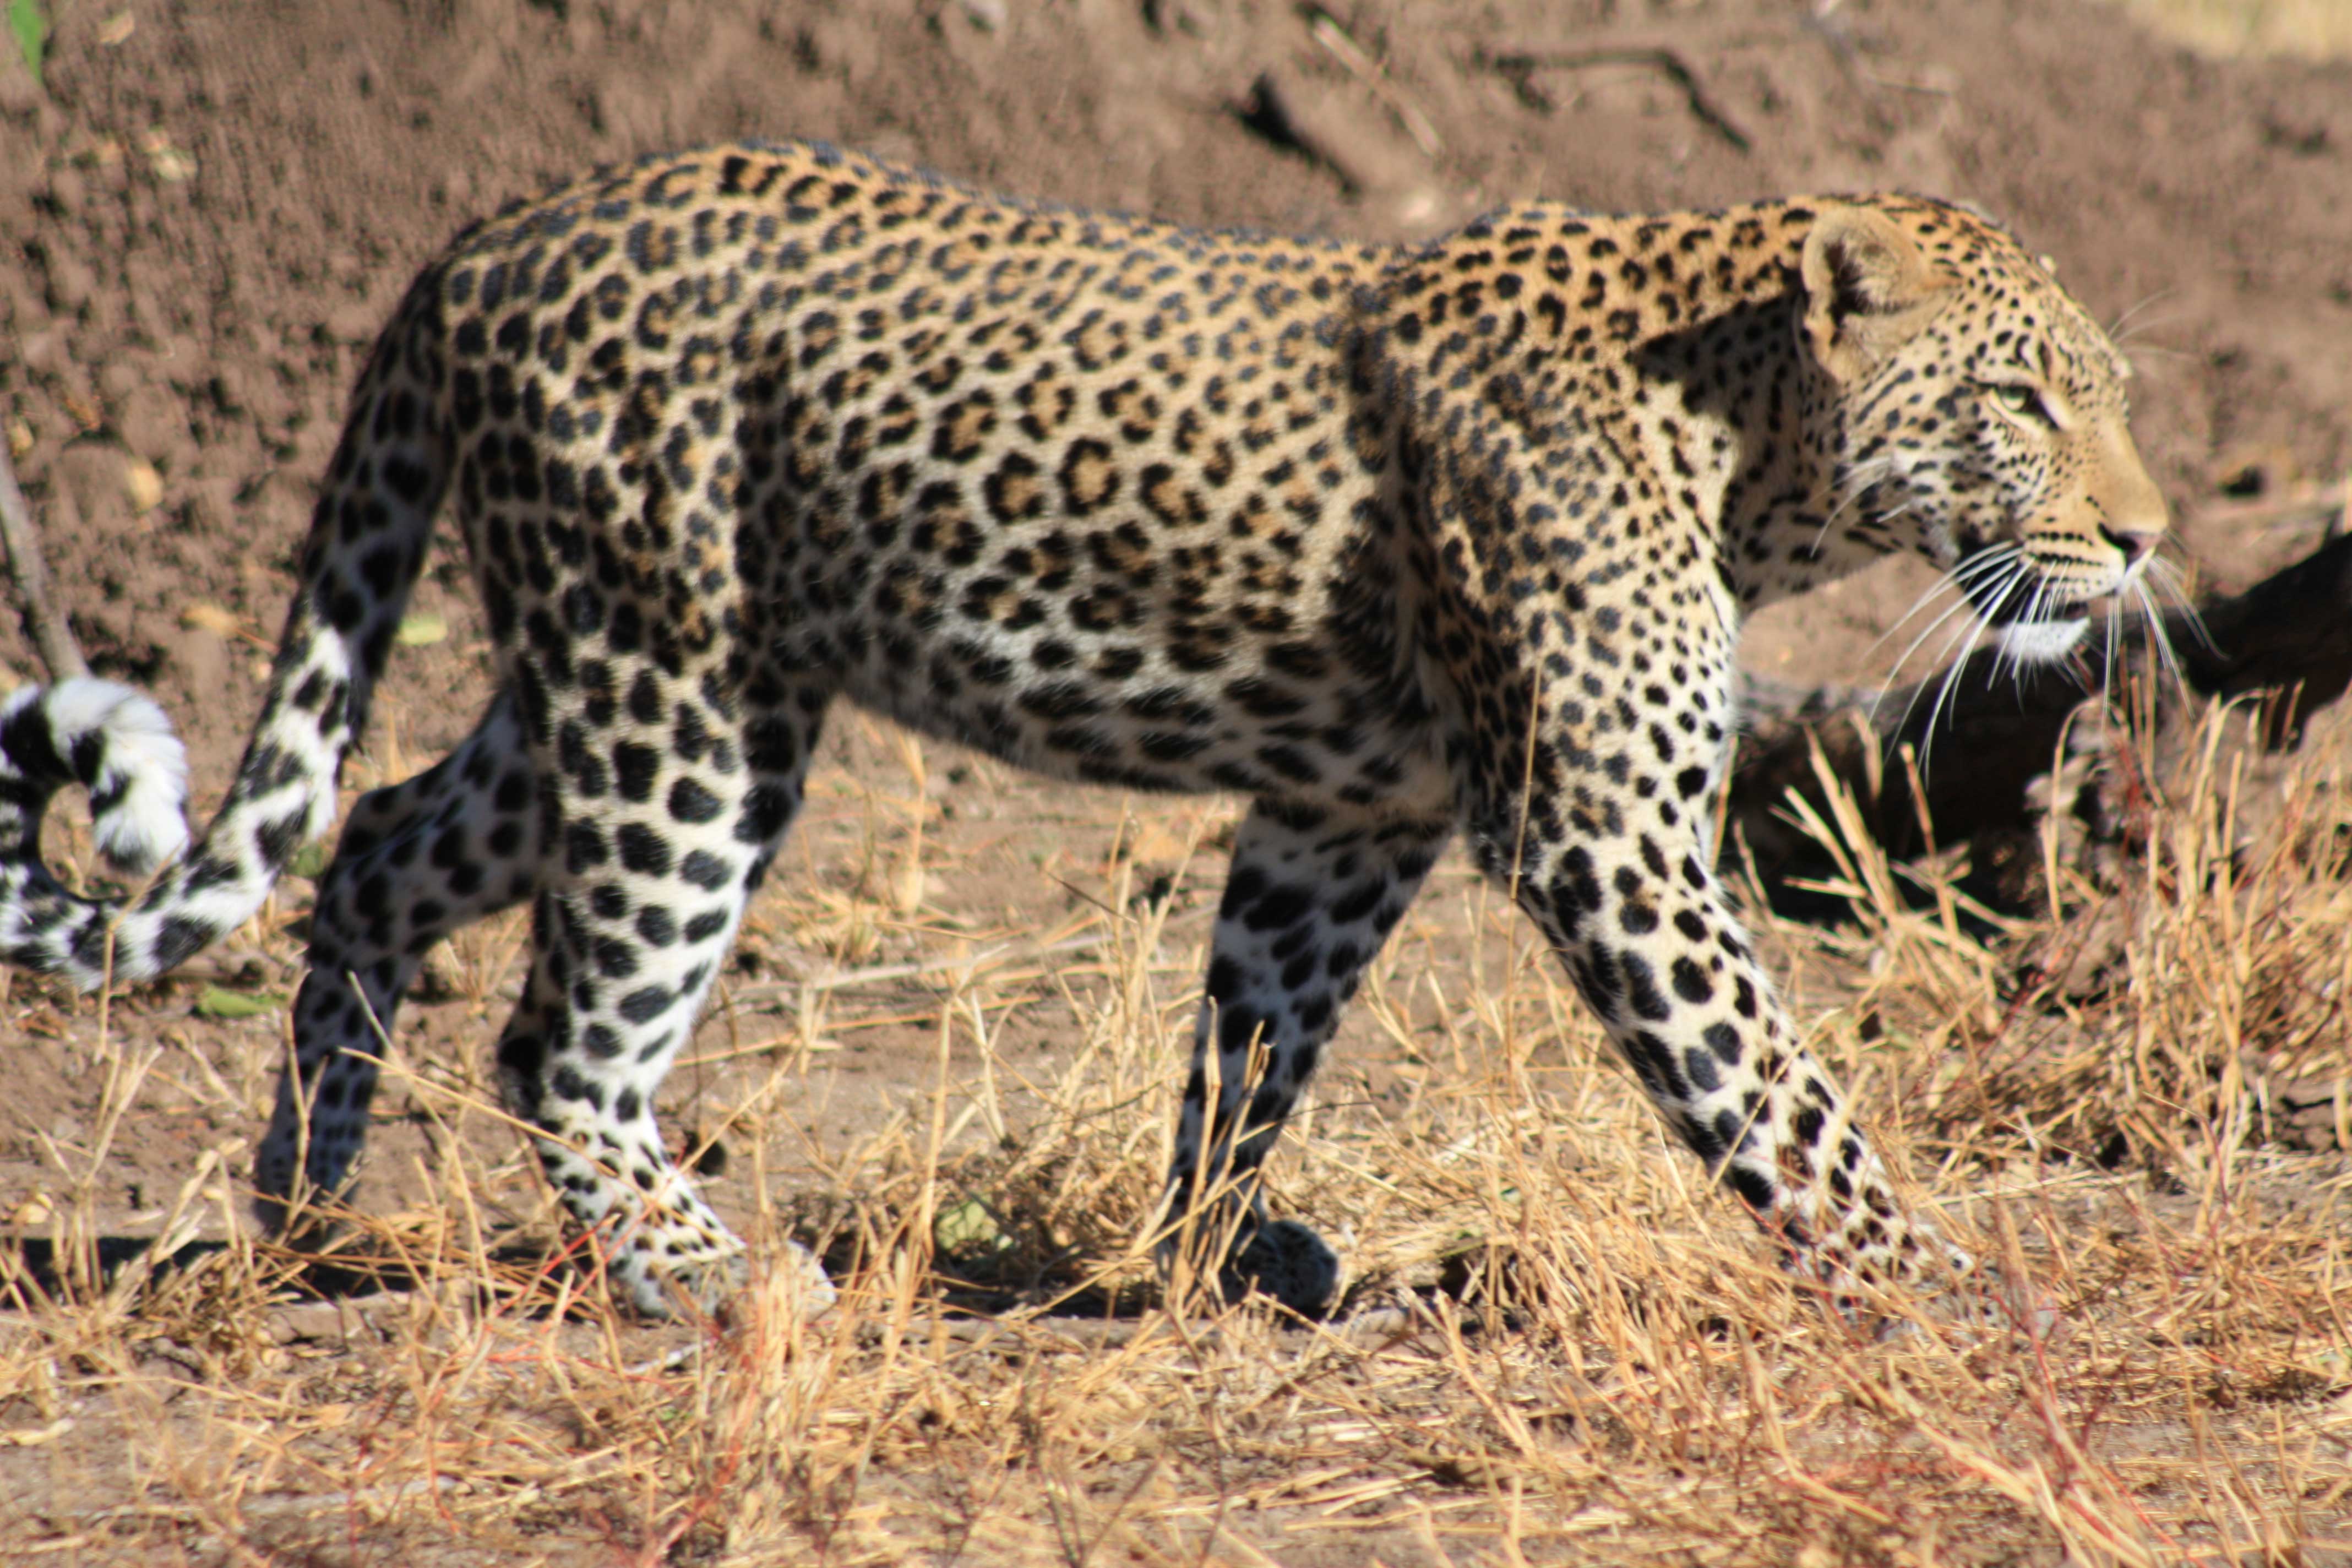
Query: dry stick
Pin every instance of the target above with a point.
(51, 637)
(1519, 70)
(1327, 31)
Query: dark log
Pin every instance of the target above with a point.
(2286, 641)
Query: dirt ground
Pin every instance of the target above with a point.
(206, 210)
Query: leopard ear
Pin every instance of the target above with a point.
(1867, 289)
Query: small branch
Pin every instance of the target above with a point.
(51, 637)
(1327, 31)
(1519, 70)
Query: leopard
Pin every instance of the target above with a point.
(1404, 543)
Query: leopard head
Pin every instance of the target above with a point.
(1975, 413)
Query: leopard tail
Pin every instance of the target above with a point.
(365, 547)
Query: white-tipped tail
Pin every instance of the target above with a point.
(139, 783)
(367, 542)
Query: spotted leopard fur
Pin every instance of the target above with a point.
(1402, 543)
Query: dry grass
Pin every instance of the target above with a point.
(2316, 29)
(1560, 1345)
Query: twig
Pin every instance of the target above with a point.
(51, 637)
(1327, 31)
(1519, 70)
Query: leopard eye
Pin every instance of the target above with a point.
(2021, 401)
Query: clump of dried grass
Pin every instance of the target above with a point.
(2189, 993)
(1561, 1343)
(2316, 29)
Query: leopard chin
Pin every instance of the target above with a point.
(2043, 642)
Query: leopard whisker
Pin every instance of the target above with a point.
(2037, 609)
(1957, 607)
(2116, 329)
(2162, 640)
(2165, 576)
(1858, 482)
(1969, 632)
(1955, 580)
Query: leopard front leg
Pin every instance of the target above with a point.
(1627, 896)
(1311, 895)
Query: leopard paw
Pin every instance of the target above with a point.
(1289, 1264)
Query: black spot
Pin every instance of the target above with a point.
(585, 847)
(635, 769)
(1641, 988)
(691, 803)
(1752, 1185)
(645, 851)
(645, 1005)
(568, 1084)
(1699, 1066)
(1237, 1029)
(1280, 908)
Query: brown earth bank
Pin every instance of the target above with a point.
(207, 211)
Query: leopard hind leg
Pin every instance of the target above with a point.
(417, 860)
(641, 890)
(1312, 894)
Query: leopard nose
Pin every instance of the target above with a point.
(2134, 543)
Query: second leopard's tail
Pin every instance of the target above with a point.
(365, 547)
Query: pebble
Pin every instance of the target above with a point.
(142, 485)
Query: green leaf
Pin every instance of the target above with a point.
(220, 1002)
(422, 628)
(310, 861)
(967, 1228)
(30, 29)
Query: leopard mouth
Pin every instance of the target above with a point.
(2035, 616)
(2043, 642)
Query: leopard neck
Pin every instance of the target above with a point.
(1665, 345)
